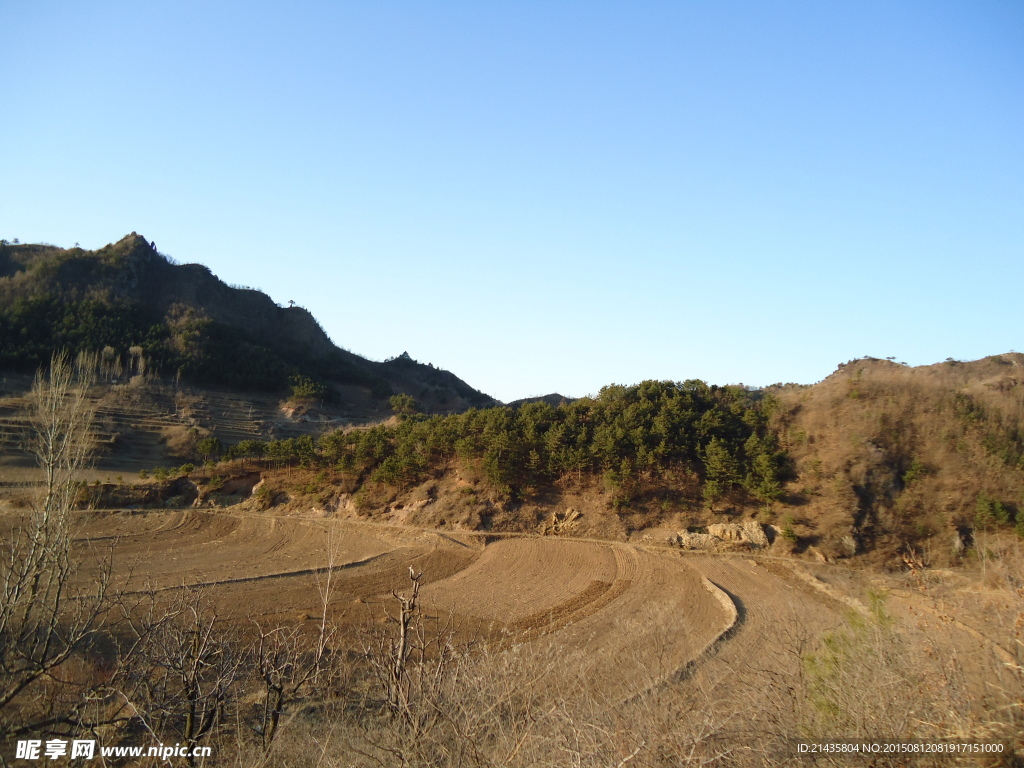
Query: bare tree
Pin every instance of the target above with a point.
(413, 668)
(46, 618)
(62, 417)
(389, 653)
(289, 662)
(191, 672)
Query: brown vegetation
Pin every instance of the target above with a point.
(890, 458)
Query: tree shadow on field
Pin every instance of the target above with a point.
(741, 620)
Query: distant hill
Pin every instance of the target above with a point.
(137, 305)
(553, 399)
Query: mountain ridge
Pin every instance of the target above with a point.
(186, 318)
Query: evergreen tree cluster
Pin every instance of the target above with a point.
(1001, 435)
(31, 329)
(631, 437)
(198, 349)
(992, 514)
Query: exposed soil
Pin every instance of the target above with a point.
(639, 615)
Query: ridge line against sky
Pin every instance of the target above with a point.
(549, 197)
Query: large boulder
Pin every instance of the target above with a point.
(725, 535)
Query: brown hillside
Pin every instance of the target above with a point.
(887, 456)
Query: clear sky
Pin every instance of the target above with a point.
(549, 196)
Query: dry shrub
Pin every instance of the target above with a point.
(877, 680)
(419, 698)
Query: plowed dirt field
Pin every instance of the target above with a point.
(637, 616)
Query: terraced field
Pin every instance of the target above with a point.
(146, 425)
(635, 616)
(611, 627)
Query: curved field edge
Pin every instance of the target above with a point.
(641, 616)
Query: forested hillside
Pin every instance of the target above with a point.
(878, 458)
(136, 307)
(656, 436)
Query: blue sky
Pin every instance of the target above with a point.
(549, 196)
